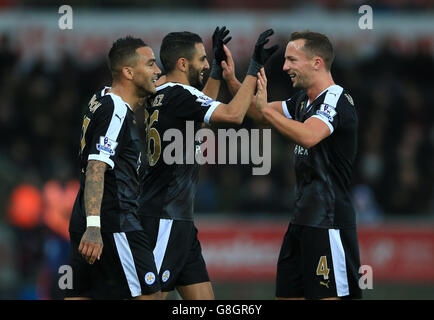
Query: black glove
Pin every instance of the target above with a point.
(218, 40)
(261, 55)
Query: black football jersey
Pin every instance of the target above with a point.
(168, 185)
(323, 172)
(109, 134)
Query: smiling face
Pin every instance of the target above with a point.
(299, 65)
(145, 72)
(196, 66)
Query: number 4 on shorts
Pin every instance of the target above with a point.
(322, 269)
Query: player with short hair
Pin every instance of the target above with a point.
(319, 257)
(110, 254)
(168, 190)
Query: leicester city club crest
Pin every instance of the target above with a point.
(165, 276)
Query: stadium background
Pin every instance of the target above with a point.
(47, 76)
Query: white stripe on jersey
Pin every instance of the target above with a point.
(210, 111)
(118, 117)
(285, 109)
(326, 122)
(332, 96)
(162, 241)
(339, 264)
(127, 261)
(197, 93)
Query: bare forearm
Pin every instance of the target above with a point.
(212, 88)
(94, 187)
(233, 86)
(254, 114)
(291, 129)
(242, 100)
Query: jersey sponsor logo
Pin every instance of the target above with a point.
(106, 145)
(327, 111)
(205, 101)
(299, 150)
(150, 278)
(165, 276)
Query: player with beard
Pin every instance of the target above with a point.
(110, 253)
(168, 190)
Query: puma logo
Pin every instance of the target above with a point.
(325, 283)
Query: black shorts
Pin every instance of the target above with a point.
(317, 263)
(126, 268)
(177, 252)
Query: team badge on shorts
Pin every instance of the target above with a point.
(165, 276)
(149, 278)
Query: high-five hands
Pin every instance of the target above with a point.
(260, 53)
(261, 94)
(219, 39)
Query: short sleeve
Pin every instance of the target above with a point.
(105, 138)
(288, 108)
(194, 105)
(330, 112)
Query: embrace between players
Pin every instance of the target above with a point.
(132, 229)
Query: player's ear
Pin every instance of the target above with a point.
(317, 62)
(182, 64)
(128, 72)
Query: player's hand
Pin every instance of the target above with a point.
(91, 244)
(261, 94)
(228, 66)
(261, 54)
(219, 39)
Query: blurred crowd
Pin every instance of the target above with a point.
(40, 125)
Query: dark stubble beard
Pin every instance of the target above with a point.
(194, 78)
(144, 91)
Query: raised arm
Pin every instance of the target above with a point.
(257, 116)
(228, 73)
(235, 110)
(306, 134)
(219, 39)
(234, 85)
